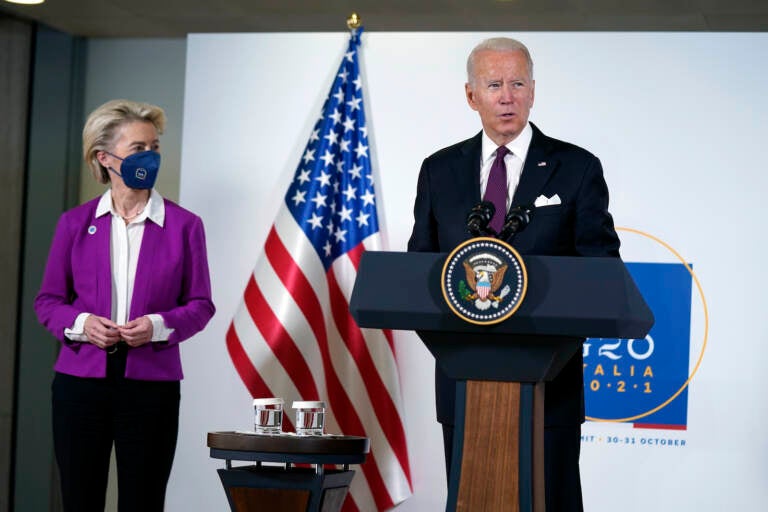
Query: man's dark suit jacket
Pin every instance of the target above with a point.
(449, 186)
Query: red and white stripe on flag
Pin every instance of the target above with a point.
(293, 335)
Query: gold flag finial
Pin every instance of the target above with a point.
(354, 21)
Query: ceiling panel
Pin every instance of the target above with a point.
(175, 18)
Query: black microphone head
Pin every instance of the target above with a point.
(522, 213)
(516, 220)
(487, 208)
(479, 217)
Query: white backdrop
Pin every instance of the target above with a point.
(679, 122)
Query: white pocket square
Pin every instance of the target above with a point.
(546, 201)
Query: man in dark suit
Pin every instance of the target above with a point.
(570, 218)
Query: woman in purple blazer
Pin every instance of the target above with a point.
(126, 281)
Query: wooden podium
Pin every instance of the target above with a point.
(501, 369)
(285, 487)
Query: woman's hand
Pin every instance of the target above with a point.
(137, 332)
(101, 331)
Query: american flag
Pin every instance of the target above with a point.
(293, 335)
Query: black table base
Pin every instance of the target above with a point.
(277, 488)
(291, 474)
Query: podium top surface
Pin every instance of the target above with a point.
(328, 449)
(567, 296)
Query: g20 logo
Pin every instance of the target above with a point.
(619, 365)
(613, 351)
(645, 381)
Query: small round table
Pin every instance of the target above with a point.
(286, 487)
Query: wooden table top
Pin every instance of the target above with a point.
(289, 444)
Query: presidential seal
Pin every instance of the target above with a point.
(484, 281)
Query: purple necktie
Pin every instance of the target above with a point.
(496, 189)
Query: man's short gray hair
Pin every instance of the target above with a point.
(497, 44)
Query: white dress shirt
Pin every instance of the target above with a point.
(514, 160)
(125, 243)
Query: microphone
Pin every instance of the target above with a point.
(516, 221)
(479, 217)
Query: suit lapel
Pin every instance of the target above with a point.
(466, 169)
(537, 170)
(147, 254)
(103, 225)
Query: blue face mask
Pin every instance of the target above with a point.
(139, 170)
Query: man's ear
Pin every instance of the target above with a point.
(470, 96)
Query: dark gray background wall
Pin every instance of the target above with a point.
(51, 185)
(15, 51)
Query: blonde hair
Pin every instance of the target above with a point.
(498, 44)
(102, 124)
